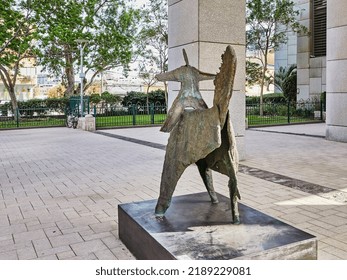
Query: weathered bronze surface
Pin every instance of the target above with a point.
(198, 230)
(199, 134)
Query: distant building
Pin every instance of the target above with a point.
(321, 59)
(308, 51)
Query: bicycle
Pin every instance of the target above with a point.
(72, 121)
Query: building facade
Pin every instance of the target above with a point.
(204, 29)
(321, 58)
(307, 51)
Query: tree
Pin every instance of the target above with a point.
(253, 73)
(286, 81)
(17, 31)
(134, 97)
(267, 24)
(56, 91)
(154, 37)
(108, 25)
(147, 74)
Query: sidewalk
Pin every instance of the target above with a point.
(60, 188)
(314, 129)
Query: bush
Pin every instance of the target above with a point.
(157, 97)
(323, 99)
(274, 98)
(134, 97)
(38, 106)
(57, 104)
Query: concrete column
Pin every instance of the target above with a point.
(336, 119)
(204, 28)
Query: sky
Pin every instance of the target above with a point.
(139, 3)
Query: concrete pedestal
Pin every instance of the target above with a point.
(87, 123)
(193, 228)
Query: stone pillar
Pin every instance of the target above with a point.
(204, 28)
(87, 123)
(336, 112)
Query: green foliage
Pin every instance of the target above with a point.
(156, 97)
(109, 26)
(110, 99)
(323, 99)
(40, 105)
(18, 31)
(95, 98)
(254, 73)
(274, 98)
(267, 24)
(134, 97)
(153, 37)
(286, 81)
(57, 104)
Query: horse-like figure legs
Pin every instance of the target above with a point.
(206, 175)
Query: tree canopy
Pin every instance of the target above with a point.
(108, 26)
(285, 80)
(268, 22)
(17, 33)
(153, 41)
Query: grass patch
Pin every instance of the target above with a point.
(32, 122)
(129, 120)
(255, 120)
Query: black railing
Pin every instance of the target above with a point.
(132, 115)
(284, 113)
(31, 117)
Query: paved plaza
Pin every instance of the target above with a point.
(60, 187)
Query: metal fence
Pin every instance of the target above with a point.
(28, 118)
(132, 115)
(137, 115)
(284, 113)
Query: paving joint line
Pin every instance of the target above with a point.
(289, 133)
(304, 186)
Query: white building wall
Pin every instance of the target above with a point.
(204, 28)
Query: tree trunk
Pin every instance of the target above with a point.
(166, 95)
(261, 109)
(69, 72)
(9, 83)
(147, 100)
(14, 102)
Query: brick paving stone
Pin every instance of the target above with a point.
(42, 244)
(12, 229)
(122, 253)
(52, 251)
(27, 253)
(49, 184)
(105, 255)
(49, 257)
(66, 255)
(28, 235)
(52, 231)
(65, 239)
(100, 235)
(11, 255)
(105, 226)
(87, 247)
(112, 242)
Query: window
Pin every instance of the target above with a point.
(319, 27)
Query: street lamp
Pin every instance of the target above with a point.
(81, 44)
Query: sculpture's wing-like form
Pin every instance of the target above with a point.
(224, 83)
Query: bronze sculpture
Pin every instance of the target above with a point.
(199, 134)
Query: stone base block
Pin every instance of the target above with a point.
(193, 228)
(87, 123)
